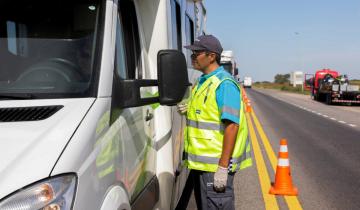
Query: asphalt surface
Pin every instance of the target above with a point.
(349, 115)
(324, 153)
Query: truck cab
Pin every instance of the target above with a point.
(329, 86)
(313, 82)
(87, 90)
(320, 74)
(228, 62)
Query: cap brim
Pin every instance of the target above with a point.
(194, 47)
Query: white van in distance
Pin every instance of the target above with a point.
(247, 82)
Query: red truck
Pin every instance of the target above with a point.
(329, 86)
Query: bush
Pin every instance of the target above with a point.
(355, 82)
(282, 87)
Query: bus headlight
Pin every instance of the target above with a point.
(56, 193)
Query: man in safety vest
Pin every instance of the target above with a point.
(216, 135)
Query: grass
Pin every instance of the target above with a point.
(289, 88)
(355, 82)
(282, 87)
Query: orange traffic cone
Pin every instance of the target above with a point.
(248, 106)
(283, 183)
(245, 98)
(243, 93)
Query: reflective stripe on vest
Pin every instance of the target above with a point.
(204, 132)
(245, 160)
(230, 111)
(214, 160)
(205, 125)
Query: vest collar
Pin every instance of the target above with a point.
(206, 80)
(204, 77)
(205, 86)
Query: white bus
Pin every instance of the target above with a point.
(84, 86)
(228, 61)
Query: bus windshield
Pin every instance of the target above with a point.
(47, 48)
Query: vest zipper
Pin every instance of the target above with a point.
(207, 92)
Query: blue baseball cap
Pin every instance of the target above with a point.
(206, 43)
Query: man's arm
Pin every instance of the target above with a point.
(230, 133)
(220, 176)
(228, 100)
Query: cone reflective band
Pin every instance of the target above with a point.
(283, 162)
(283, 182)
(248, 106)
(283, 148)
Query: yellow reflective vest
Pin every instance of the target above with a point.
(204, 132)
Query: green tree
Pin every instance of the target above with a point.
(282, 78)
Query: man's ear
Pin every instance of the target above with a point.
(212, 57)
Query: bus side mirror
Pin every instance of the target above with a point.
(172, 82)
(173, 78)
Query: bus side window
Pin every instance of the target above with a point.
(176, 25)
(127, 53)
(189, 32)
(131, 39)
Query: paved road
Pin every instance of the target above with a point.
(324, 153)
(349, 115)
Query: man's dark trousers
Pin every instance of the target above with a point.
(205, 195)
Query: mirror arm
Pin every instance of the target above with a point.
(131, 96)
(146, 82)
(151, 100)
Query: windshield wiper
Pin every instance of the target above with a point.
(20, 96)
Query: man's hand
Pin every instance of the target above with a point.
(182, 108)
(220, 178)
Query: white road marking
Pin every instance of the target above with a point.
(324, 115)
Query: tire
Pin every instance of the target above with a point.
(328, 99)
(316, 96)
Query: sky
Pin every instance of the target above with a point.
(272, 37)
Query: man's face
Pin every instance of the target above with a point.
(200, 60)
